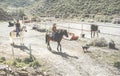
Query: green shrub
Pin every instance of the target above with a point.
(18, 60)
(2, 59)
(27, 60)
(117, 65)
(14, 63)
(35, 64)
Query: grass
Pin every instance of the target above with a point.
(112, 59)
(19, 63)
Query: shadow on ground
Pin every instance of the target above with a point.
(21, 47)
(63, 54)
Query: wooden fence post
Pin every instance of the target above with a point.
(12, 51)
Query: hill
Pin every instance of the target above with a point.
(92, 9)
(17, 3)
(77, 8)
(13, 8)
(4, 15)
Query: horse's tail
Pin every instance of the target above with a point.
(10, 37)
(10, 34)
(46, 38)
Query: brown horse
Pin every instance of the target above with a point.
(58, 37)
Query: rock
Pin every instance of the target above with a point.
(23, 73)
(34, 28)
(111, 44)
(3, 73)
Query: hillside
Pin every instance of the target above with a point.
(13, 8)
(76, 8)
(17, 3)
(4, 15)
(93, 9)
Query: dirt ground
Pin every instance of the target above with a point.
(72, 61)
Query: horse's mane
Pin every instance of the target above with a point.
(61, 30)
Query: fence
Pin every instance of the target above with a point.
(89, 30)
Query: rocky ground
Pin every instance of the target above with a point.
(72, 61)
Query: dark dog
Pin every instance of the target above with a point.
(10, 24)
(85, 47)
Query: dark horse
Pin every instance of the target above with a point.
(94, 30)
(58, 37)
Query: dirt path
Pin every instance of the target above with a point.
(70, 62)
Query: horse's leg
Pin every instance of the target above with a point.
(22, 41)
(48, 41)
(58, 47)
(11, 41)
(48, 45)
(97, 34)
(91, 33)
(21, 37)
(94, 34)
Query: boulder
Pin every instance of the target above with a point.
(23, 73)
(112, 44)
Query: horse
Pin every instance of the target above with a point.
(12, 35)
(58, 37)
(94, 30)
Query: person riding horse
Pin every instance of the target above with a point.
(17, 26)
(54, 29)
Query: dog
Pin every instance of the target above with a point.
(85, 47)
(11, 24)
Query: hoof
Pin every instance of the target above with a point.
(12, 44)
(50, 49)
(84, 51)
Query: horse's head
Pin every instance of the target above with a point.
(24, 28)
(65, 33)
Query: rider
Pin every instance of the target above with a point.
(17, 25)
(54, 30)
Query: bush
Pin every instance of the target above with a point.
(14, 63)
(27, 60)
(2, 59)
(18, 60)
(117, 65)
(35, 64)
(100, 42)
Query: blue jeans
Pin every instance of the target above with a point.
(17, 30)
(53, 35)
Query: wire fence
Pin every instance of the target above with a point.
(86, 30)
(88, 24)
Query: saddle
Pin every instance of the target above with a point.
(53, 35)
(16, 33)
